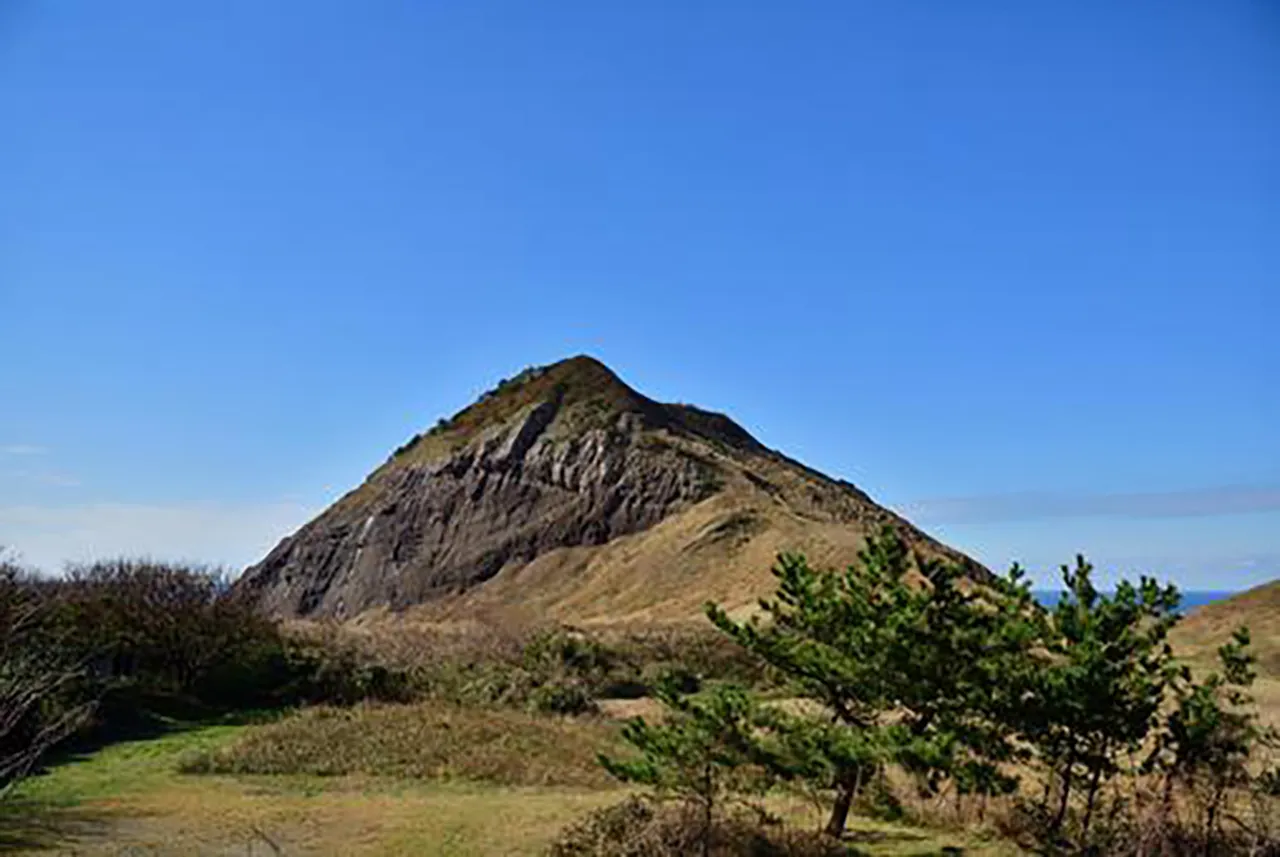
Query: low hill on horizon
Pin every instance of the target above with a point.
(1208, 626)
(564, 494)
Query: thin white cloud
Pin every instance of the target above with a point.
(1035, 506)
(58, 480)
(52, 478)
(233, 536)
(23, 449)
(1198, 552)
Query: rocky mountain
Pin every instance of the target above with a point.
(566, 494)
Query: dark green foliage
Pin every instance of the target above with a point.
(1096, 692)
(562, 651)
(558, 697)
(567, 670)
(559, 670)
(1209, 738)
(705, 752)
(406, 446)
(705, 747)
(136, 642)
(683, 679)
(698, 654)
(901, 662)
(871, 642)
(324, 672)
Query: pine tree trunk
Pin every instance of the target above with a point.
(840, 812)
(1094, 782)
(707, 813)
(846, 790)
(1061, 814)
(1211, 822)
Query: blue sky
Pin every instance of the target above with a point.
(1013, 268)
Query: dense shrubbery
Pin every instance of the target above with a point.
(551, 669)
(1078, 720)
(110, 646)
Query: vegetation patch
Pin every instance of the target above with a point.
(425, 741)
(122, 768)
(975, 693)
(638, 827)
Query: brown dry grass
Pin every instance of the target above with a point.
(720, 549)
(1205, 628)
(1197, 638)
(425, 741)
(662, 575)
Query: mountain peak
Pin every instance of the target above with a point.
(574, 381)
(580, 393)
(564, 474)
(580, 378)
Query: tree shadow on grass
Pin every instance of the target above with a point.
(129, 716)
(902, 838)
(34, 826)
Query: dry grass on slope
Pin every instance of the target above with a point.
(721, 549)
(1198, 636)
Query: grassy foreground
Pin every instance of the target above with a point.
(131, 799)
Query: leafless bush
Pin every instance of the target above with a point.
(38, 671)
(163, 622)
(642, 828)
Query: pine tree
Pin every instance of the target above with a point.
(705, 752)
(1210, 735)
(1096, 695)
(906, 663)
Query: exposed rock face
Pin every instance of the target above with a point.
(560, 457)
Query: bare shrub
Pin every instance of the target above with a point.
(638, 827)
(39, 674)
(163, 623)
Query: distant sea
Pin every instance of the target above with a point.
(1190, 598)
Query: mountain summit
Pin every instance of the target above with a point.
(565, 493)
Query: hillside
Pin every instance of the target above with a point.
(1198, 636)
(563, 493)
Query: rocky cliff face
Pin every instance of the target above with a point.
(562, 457)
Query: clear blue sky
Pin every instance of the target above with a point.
(1013, 268)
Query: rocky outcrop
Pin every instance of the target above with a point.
(564, 456)
(445, 525)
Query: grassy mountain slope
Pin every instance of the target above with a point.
(563, 493)
(1198, 637)
(1205, 628)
